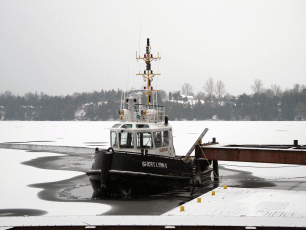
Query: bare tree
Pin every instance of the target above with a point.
(300, 111)
(209, 88)
(269, 93)
(200, 96)
(29, 96)
(163, 95)
(258, 86)
(228, 97)
(7, 94)
(220, 89)
(296, 88)
(187, 89)
(276, 89)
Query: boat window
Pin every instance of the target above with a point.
(113, 139)
(126, 140)
(127, 126)
(144, 140)
(165, 138)
(157, 139)
(116, 125)
(142, 126)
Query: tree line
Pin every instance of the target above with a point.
(265, 104)
(79, 106)
(213, 102)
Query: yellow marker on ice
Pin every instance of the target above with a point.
(182, 209)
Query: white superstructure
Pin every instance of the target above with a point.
(143, 127)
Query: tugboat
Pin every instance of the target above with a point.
(141, 157)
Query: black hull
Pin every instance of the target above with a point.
(113, 171)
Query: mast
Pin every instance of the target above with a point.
(148, 73)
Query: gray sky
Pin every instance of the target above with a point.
(61, 47)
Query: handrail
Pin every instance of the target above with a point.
(137, 153)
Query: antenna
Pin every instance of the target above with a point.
(148, 73)
(139, 36)
(124, 100)
(121, 106)
(156, 100)
(127, 84)
(139, 45)
(157, 68)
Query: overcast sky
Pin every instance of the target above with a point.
(61, 47)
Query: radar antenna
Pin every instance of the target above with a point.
(148, 73)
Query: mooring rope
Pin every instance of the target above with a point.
(211, 166)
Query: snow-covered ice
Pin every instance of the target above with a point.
(16, 194)
(86, 133)
(16, 177)
(246, 202)
(269, 171)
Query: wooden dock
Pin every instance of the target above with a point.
(280, 154)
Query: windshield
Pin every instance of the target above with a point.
(142, 126)
(126, 140)
(114, 139)
(144, 140)
(165, 138)
(157, 139)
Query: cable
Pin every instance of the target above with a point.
(139, 45)
(211, 167)
(139, 35)
(127, 84)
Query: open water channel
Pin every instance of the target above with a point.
(46, 183)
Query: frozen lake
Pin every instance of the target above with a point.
(41, 183)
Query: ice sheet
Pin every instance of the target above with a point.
(238, 132)
(64, 133)
(269, 171)
(234, 202)
(16, 177)
(91, 133)
(15, 193)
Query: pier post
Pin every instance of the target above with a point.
(198, 164)
(216, 169)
